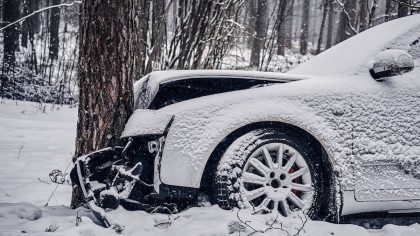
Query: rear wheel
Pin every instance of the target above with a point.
(271, 170)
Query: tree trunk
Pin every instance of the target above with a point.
(11, 34)
(331, 24)
(289, 27)
(158, 34)
(260, 27)
(284, 15)
(35, 20)
(106, 74)
(250, 26)
(24, 29)
(54, 28)
(321, 30)
(304, 29)
(364, 19)
(403, 8)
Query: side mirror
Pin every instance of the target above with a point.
(390, 63)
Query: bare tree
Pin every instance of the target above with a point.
(106, 74)
(304, 29)
(11, 35)
(260, 32)
(285, 10)
(54, 28)
(372, 13)
(321, 30)
(331, 24)
(158, 36)
(346, 26)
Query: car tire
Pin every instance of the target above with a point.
(245, 177)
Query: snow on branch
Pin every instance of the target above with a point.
(41, 10)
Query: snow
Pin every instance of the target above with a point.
(34, 220)
(48, 140)
(35, 139)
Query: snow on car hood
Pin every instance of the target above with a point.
(353, 56)
(146, 88)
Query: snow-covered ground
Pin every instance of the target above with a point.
(35, 139)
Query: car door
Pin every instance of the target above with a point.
(387, 139)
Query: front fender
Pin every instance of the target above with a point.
(196, 133)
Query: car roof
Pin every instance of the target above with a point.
(352, 56)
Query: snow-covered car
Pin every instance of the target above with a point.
(338, 135)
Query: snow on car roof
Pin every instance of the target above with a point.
(353, 56)
(171, 75)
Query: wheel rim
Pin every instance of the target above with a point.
(276, 178)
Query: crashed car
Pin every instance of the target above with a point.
(336, 136)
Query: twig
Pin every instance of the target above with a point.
(20, 149)
(246, 224)
(303, 224)
(41, 10)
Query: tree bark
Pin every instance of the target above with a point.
(304, 29)
(11, 34)
(53, 29)
(260, 27)
(106, 73)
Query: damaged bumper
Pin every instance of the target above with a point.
(127, 176)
